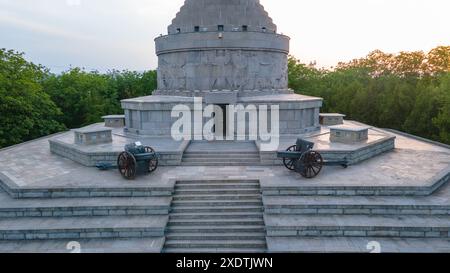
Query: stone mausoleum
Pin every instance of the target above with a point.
(225, 196)
(228, 53)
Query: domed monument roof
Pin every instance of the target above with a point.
(231, 14)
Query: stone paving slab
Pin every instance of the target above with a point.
(139, 245)
(355, 220)
(356, 245)
(32, 166)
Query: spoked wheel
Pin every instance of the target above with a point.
(153, 163)
(313, 163)
(127, 165)
(289, 162)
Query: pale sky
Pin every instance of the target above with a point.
(118, 34)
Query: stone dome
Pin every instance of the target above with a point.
(217, 15)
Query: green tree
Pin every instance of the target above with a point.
(26, 111)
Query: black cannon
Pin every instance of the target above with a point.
(303, 159)
(137, 158)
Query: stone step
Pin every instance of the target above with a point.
(67, 207)
(219, 203)
(214, 250)
(216, 244)
(220, 161)
(357, 245)
(116, 245)
(178, 197)
(221, 164)
(33, 228)
(217, 236)
(374, 205)
(237, 186)
(217, 215)
(216, 153)
(214, 191)
(224, 209)
(215, 222)
(184, 182)
(214, 229)
(220, 156)
(358, 226)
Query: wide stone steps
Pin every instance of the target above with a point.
(213, 191)
(215, 186)
(357, 205)
(219, 203)
(410, 226)
(214, 244)
(213, 250)
(216, 216)
(41, 228)
(218, 197)
(217, 236)
(214, 158)
(221, 209)
(215, 222)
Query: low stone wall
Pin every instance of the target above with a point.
(352, 156)
(90, 159)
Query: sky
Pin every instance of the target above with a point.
(118, 34)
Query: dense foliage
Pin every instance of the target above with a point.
(409, 91)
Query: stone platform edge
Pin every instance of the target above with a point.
(352, 156)
(15, 191)
(429, 187)
(90, 159)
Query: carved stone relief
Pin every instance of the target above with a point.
(222, 70)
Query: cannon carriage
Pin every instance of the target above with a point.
(302, 159)
(137, 159)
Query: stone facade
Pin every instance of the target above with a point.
(228, 53)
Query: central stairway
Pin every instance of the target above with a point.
(221, 153)
(216, 216)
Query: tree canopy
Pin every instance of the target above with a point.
(408, 91)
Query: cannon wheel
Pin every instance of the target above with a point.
(313, 163)
(289, 162)
(153, 163)
(127, 165)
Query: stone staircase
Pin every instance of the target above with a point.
(221, 153)
(220, 159)
(216, 216)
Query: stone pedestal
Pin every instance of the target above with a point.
(349, 134)
(331, 119)
(97, 135)
(114, 121)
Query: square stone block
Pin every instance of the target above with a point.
(330, 119)
(86, 136)
(114, 121)
(349, 133)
